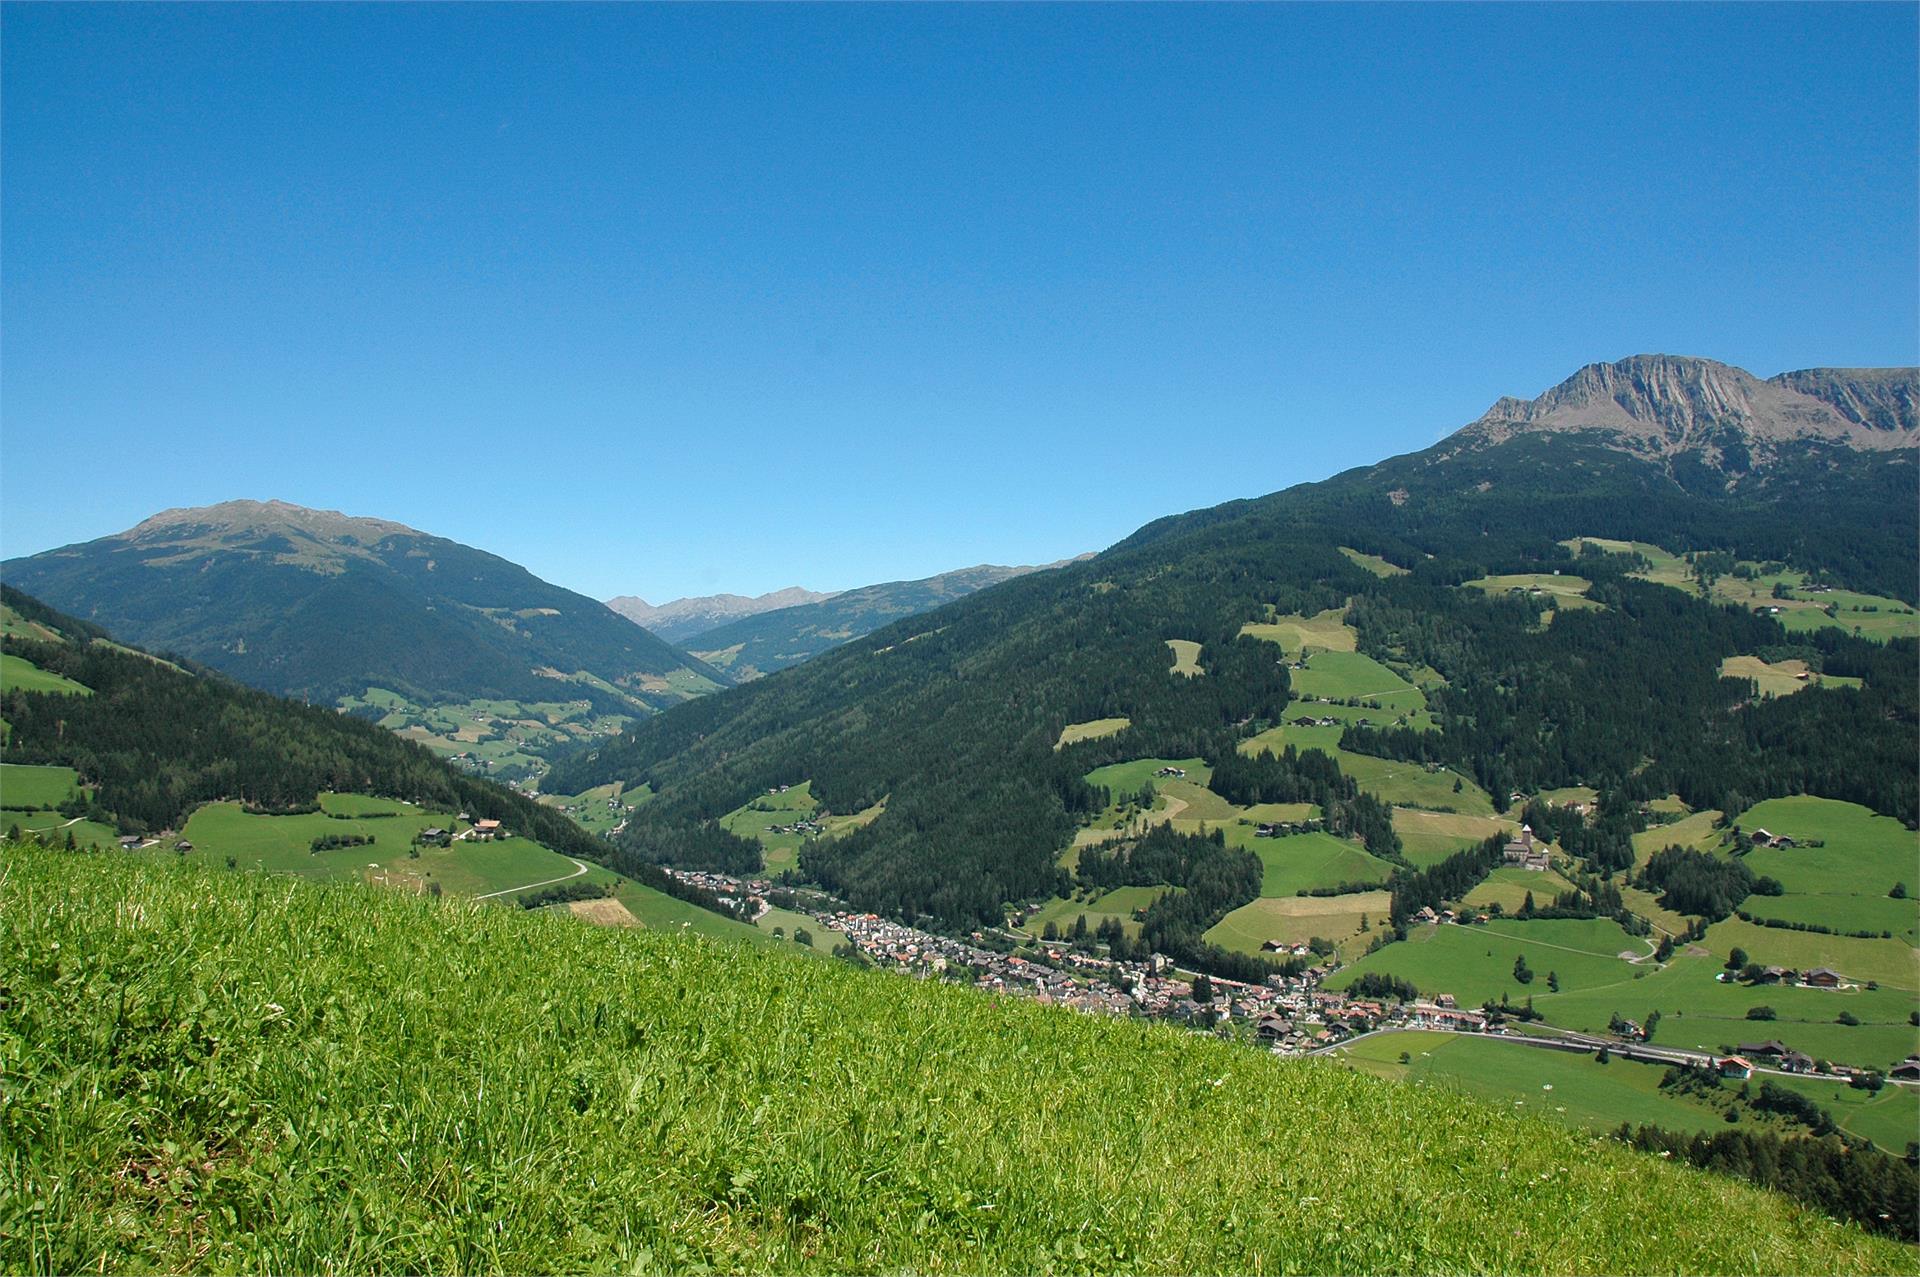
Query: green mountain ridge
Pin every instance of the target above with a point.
(773, 640)
(321, 605)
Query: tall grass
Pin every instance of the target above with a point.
(220, 1071)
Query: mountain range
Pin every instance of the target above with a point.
(680, 619)
(751, 646)
(322, 605)
(956, 719)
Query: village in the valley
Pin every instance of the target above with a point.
(1289, 1015)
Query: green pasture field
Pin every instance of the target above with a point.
(1263, 813)
(283, 844)
(1475, 963)
(1889, 1117)
(1843, 913)
(1326, 631)
(30, 787)
(1186, 657)
(1601, 1096)
(1647, 905)
(1567, 591)
(1356, 676)
(11, 622)
(789, 922)
(1865, 853)
(1092, 729)
(589, 809)
(522, 1093)
(1558, 1085)
(1667, 567)
(1697, 831)
(1298, 919)
(1189, 803)
(1119, 903)
(755, 818)
(1572, 795)
(1400, 783)
(1509, 887)
(1429, 837)
(1703, 1014)
(54, 827)
(1373, 563)
(1301, 862)
(18, 674)
(1889, 620)
(1889, 962)
(1781, 678)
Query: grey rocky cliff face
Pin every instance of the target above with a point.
(1667, 404)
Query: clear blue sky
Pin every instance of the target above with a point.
(667, 300)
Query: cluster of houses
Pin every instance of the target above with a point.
(1765, 838)
(483, 831)
(806, 827)
(1428, 914)
(1525, 853)
(1286, 828)
(1816, 978)
(1174, 773)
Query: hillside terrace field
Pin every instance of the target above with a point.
(1564, 589)
(1666, 568)
(1186, 657)
(796, 1115)
(1782, 678)
(1298, 919)
(17, 673)
(1373, 563)
(1400, 783)
(1326, 631)
(1428, 837)
(1093, 729)
(758, 817)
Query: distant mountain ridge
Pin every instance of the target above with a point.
(755, 645)
(321, 604)
(680, 619)
(1664, 405)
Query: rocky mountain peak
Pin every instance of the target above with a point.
(1666, 404)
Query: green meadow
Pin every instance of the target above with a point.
(26, 787)
(1326, 631)
(1558, 1085)
(330, 1078)
(1428, 837)
(1781, 678)
(1666, 567)
(1400, 783)
(18, 674)
(1298, 919)
(1475, 964)
(1356, 676)
(1373, 563)
(1092, 729)
(1303, 862)
(1509, 887)
(1120, 904)
(1565, 590)
(1698, 830)
(1865, 853)
(1186, 657)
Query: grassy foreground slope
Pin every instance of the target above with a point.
(210, 1071)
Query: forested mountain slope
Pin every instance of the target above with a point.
(954, 717)
(152, 740)
(768, 641)
(316, 604)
